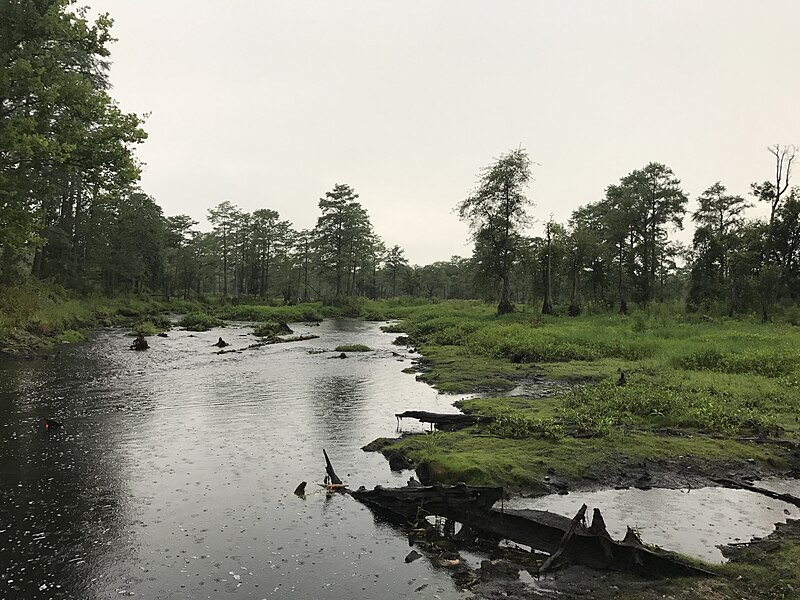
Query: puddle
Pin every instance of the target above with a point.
(693, 522)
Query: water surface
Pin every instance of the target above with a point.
(174, 472)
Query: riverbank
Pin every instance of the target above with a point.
(654, 400)
(37, 317)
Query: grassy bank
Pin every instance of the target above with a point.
(37, 316)
(694, 388)
(696, 393)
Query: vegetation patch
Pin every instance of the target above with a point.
(271, 329)
(693, 391)
(71, 336)
(145, 328)
(200, 321)
(353, 348)
(311, 312)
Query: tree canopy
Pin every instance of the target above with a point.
(496, 211)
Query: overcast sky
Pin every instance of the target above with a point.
(269, 104)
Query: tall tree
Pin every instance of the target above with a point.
(395, 260)
(344, 236)
(718, 217)
(63, 142)
(271, 240)
(496, 211)
(178, 254)
(225, 218)
(656, 199)
(774, 195)
(547, 306)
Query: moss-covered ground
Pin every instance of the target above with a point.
(700, 398)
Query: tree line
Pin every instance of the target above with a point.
(71, 211)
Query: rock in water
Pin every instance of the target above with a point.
(412, 556)
(300, 490)
(221, 343)
(139, 343)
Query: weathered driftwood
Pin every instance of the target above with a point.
(545, 531)
(411, 502)
(269, 342)
(332, 478)
(278, 340)
(541, 530)
(759, 490)
(443, 421)
(578, 519)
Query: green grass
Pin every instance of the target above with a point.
(34, 315)
(712, 381)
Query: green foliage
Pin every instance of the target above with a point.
(353, 348)
(519, 427)
(764, 362)
(145, 328)
(607, 408)
(200, 321)
(71, 336)
(312, 312)
(496, 212)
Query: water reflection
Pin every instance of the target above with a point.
(693, 522)
(173, 475)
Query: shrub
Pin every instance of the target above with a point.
(353, 348)
(518, 427)
(271, 329)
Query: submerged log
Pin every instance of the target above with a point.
(544, 531)
(443, 421)
(730, 483)
(566, 538)
(409, 502)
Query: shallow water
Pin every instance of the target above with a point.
(174, 472)
(693, 522)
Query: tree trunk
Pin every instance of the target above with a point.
(547, 307)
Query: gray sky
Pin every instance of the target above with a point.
(269, 104)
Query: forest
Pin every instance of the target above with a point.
(72, 212)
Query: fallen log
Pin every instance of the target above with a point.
(730, 483)
(541, 530)
(443, 421)
(278, 340)
(412, 501)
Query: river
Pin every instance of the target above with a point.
(173, 475)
